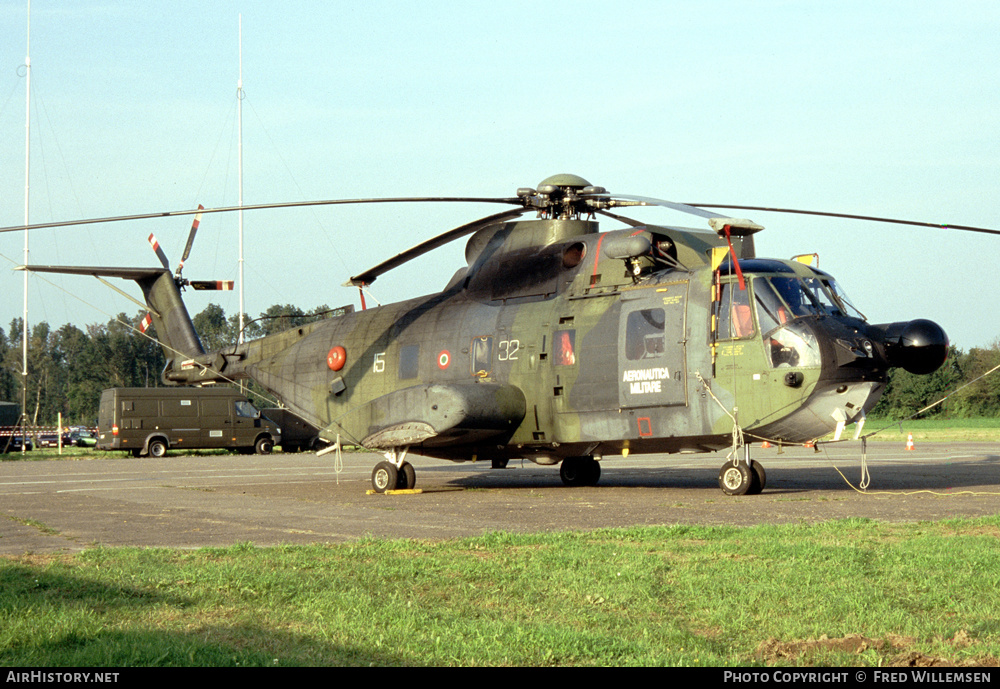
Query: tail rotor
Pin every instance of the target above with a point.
(182, 282)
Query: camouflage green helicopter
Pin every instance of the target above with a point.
(566, 345)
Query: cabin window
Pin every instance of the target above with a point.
(565, 341)
(644, 334)
(482, 356)
(408, 358)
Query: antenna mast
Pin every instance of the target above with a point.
(239, 100)
(27, 180)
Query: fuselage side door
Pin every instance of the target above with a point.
(653, 347)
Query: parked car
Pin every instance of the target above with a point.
(13, 443)
(48, 440)
(81, 439)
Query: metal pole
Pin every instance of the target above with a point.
(27, 184)
(239, 100)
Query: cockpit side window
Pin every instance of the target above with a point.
(771, 311)
(735, 313)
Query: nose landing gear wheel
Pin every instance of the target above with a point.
(580, 471)
(759, 478)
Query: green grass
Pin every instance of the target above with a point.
(936, 429)
(852, 592)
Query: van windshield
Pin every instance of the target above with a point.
(244, 408)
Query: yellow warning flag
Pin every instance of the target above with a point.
(718, 255)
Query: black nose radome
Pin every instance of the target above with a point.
(920, 346)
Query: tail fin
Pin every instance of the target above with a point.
(163, 299)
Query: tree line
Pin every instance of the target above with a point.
(69, 367)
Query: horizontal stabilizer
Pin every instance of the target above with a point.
(174, 329)
(97, 271)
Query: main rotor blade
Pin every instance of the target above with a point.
(262, 206)
(368, 277)
(849, 216)
(682, 207)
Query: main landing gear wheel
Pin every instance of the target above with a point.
(385, 476)
(406, 478)
(580, 471)
(736, 479)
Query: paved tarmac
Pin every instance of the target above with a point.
(189, 502)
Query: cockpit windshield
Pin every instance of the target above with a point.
(782, 298)
(849, 309)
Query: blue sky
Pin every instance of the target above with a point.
(877, 108)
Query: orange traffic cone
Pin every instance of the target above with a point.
(909, 442)
(764, 445)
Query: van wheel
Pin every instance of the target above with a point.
(264, 446)
(157, 448)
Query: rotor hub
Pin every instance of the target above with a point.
(562, 196)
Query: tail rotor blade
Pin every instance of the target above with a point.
(190, 241)
(225, 285)
(159, 251)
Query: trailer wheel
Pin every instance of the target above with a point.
(157, 448)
